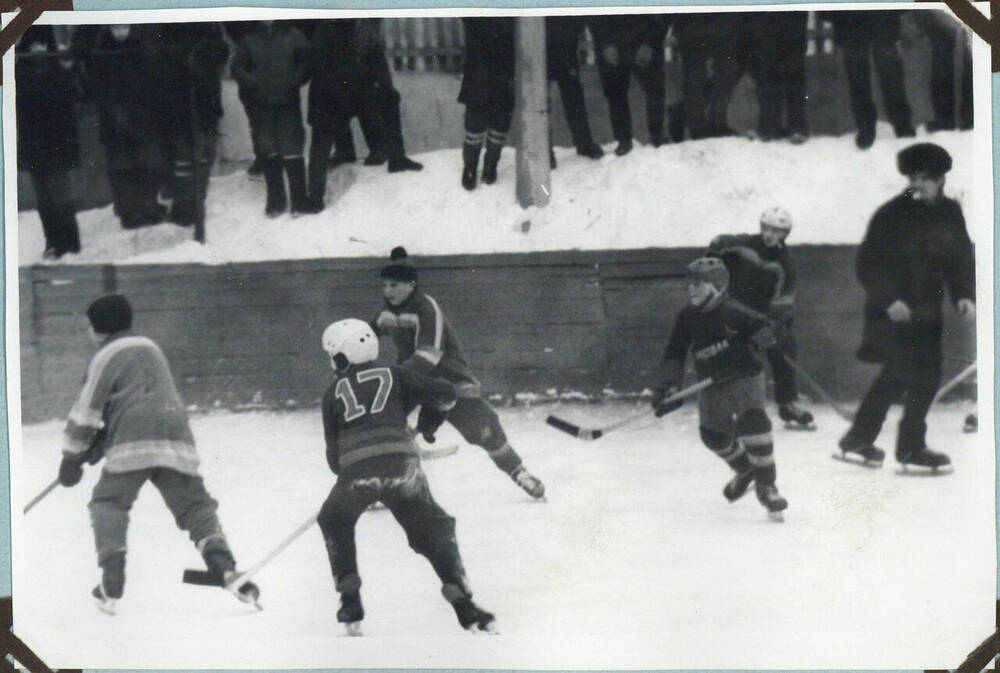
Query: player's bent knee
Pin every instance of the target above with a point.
(715, 440)
(753, 422)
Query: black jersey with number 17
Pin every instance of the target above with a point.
(365, 409)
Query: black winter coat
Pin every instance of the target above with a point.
(46, 105)
(912, 251)
(271, 65)
(488, 75)
(628, 31)
(187, 59)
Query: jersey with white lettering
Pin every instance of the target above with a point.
(365, 410)
(426, 341)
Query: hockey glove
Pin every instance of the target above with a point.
(70, 471)
(429, 420)
(661, 407)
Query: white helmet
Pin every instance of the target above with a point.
(350, 342)
(776, 217)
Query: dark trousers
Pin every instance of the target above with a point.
(574, 106)
(887, 389)
(479, 118)
(396, 481)
(134, 193)
(859, 50)
(785, 388)
(193, 508)
(708, 90)
(57, 209)
(194, 155)
(945, 36)
(778, 64)
(614, 83)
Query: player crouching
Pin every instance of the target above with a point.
(724, 338)
(368, 447)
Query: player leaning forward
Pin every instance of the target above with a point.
(129, 411)
(724, 338)
(427, 343)
(915, 247)
(369, 448)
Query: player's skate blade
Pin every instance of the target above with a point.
(860, 453)
(244, 590)
(353, 629)
(796, 418)
(773, 501)
(925, 463)
(104, 604)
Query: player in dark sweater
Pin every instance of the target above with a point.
(724, 338)
(762, 277)
(369, 448)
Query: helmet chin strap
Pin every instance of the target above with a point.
(340, 362)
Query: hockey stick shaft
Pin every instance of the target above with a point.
(38, 498)
(948, 387)
(843, 413)
(284, 544)
(679, 395)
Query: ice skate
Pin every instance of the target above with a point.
(351, 612)
(104, 603)
(859, 452)
(473, 618)
(795, 417)
(934, 462)
(244, 590)
(768, 496)
(531, 484)
(737, 486)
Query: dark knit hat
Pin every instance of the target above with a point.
(924, 158)
(400, 266)
(711, 270)
(110, 313)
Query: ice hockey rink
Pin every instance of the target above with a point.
(635, 560)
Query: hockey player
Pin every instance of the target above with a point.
(427, 343)
(129, 412)
(723, 337)
(763, 278)
(370, 450)
(915, 247)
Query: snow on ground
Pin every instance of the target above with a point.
(677, 195)
(635, 561)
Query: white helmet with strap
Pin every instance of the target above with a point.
(350, 342)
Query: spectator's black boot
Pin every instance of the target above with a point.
(494, 145)
(274, 178)
(470, 161)
(295, 168)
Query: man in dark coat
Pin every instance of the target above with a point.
(47, 135)
(627, 45)
(271, 65)
(351, 77)
(866, 36)
(119, 82)
(487, 93)
(777, 61)
(187, 61)
(915, 247)
(562, 47)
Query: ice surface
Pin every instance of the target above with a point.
(635, 561)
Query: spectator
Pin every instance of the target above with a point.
(713, 51)
(777, 43)
(271, 65)
(945, 34)
(236, 31)
(562, 47)
(487, 93)
(352, 78)
(186, 62)
(632, 45)
(865, 35)
(47, 136)
(118, 80)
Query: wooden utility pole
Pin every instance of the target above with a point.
(532, 120)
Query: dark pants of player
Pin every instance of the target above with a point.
(397, 481)
(785, 388)
(879, 46)
(193, 508)
(574, 106)
(735, 427)
(479, 425)
(57, 209)
(887, 389)
(615, 81)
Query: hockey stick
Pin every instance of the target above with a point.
(38, 498)
(213, 579)
(597, 433)
(948, 387)
(843, 413)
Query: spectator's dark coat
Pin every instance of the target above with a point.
(348, 62)
(912, 251)
(628, 31)
(121, 85)
(562, 43)
(271, 65)
(46, 100)
(488, 76)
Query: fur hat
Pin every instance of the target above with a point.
(109, 314)
(924, 158)
(710, 270)
(400, 266)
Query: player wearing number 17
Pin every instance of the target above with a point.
(725, 338)
(369, 448)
